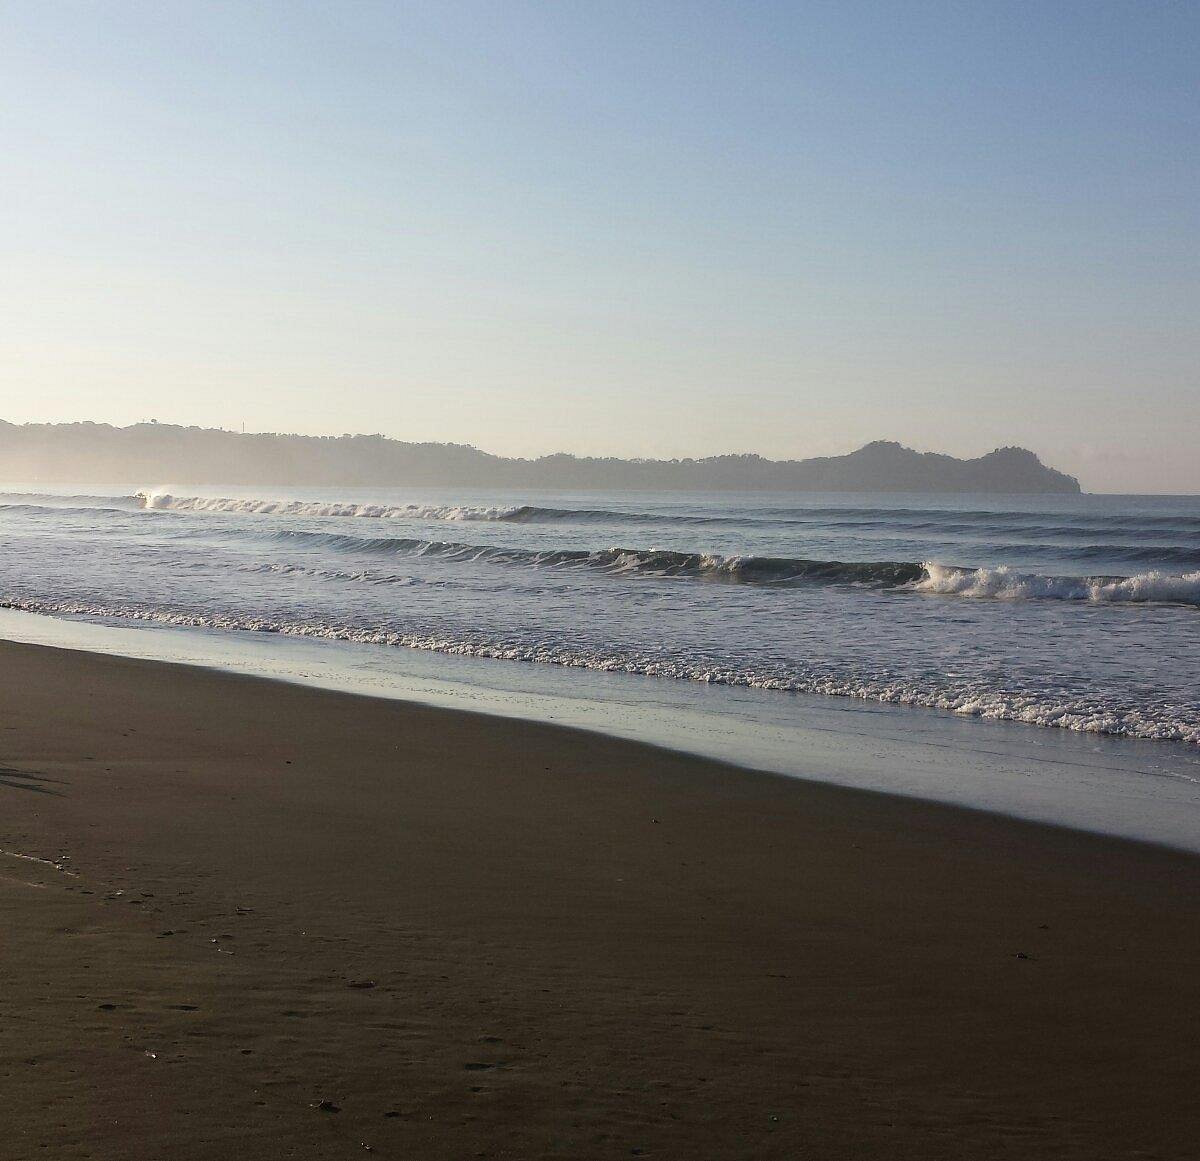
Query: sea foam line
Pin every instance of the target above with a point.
(973, 699)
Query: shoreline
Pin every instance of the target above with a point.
(485, 936)
(668, 750)
(1135, 789)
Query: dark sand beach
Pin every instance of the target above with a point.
(277, 922)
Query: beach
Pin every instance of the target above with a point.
(248, 918)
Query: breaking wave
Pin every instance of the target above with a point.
(649, 562)
(957, 522)
(508, 514)
(1009, 584)
(1001, 583)
(1006, 532)
(53, 500)
(163, 501)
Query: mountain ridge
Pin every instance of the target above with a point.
(86, 452)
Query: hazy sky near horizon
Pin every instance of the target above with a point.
(613, 228)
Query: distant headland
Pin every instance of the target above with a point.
(85, 453)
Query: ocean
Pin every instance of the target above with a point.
(1051, 616)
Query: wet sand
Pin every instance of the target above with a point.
(282, 922)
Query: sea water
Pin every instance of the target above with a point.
(730, 623)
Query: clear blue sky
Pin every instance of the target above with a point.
(654, 228)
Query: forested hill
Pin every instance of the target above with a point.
(146, 454)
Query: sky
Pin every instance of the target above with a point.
(652, 229)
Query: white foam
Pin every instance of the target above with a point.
(1008, 584)
(164, 501)
(1081, 713)
(365, 576)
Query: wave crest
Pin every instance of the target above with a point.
(1006, 583)
(165, 502)
(647, 562)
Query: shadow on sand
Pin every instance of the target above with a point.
(23, 780)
